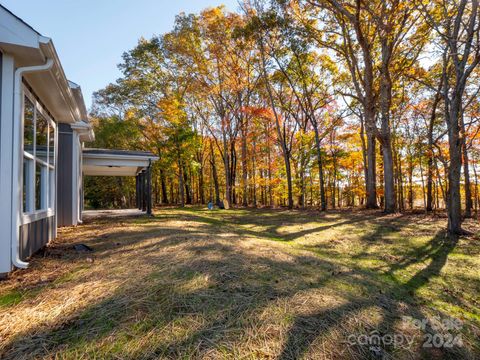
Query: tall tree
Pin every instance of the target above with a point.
(456, 24)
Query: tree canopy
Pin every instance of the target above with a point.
(306, 103)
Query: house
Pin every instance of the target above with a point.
(43, 125)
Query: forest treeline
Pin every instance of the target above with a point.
(304, 103)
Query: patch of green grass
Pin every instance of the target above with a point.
(16, 296)
(70, 276)
(10, 298)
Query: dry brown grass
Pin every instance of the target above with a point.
(242, 284)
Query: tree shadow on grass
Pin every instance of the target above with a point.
(236, 285)
(306, 330)
(271, 232)
(225, 302)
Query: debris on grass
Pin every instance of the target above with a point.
(82, 248)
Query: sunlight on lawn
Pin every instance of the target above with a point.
(190, 283)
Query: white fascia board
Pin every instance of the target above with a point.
(109, 171)
(81, 126)
(120, 157)
(134, 163)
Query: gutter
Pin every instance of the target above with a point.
(77, 93)
(120, 156)
(48, 50)
(84, 130)
(17, 147)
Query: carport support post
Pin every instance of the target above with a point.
(149, 189)
(141, 187)
(137, 191)
(144, 191)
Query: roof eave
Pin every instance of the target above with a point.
(123, 156)
(29, 48)
(74, 109)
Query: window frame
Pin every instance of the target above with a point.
(48, 169)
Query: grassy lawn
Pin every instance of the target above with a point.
(247, 284)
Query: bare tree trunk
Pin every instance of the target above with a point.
(281, 139)
(215, 175)
(382, 187)
(201, 189)
(364, 154)
(323, 199)
(423, 186)
(181, 188)
(385, 104)
(188, 190)
(334, 181)
(389, 186)
(410, 182)
(254, 173)
(263, 190)
(477, 199)
(226, 165)
(163, 185)
(460, 41)
(301, 174)
(172, 191)
(233, 173)
(288, 172)
(454, 170)
(429, 204)
(371, 180)
(466, 172)
(244, 163)
(269, 174)
(430, 149)
(443, 188)
(400, 187)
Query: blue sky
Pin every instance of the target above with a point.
(91, 35)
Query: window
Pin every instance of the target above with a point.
(28, 126)
(39, 139)
(51, 195)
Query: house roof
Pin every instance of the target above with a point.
(29, 48)
(111, 162)
(20, 19)
(107, 152)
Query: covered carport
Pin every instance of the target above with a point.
(108, 162)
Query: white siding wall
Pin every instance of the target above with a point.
(7, 188)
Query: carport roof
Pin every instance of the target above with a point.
(111, 162)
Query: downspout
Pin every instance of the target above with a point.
(17, 147)
(80, 184)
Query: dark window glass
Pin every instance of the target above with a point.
(25, 177)
(38, 187)
(39, 140)
(42, 137)
(28, 126)
(51, 145)
(51, 179)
